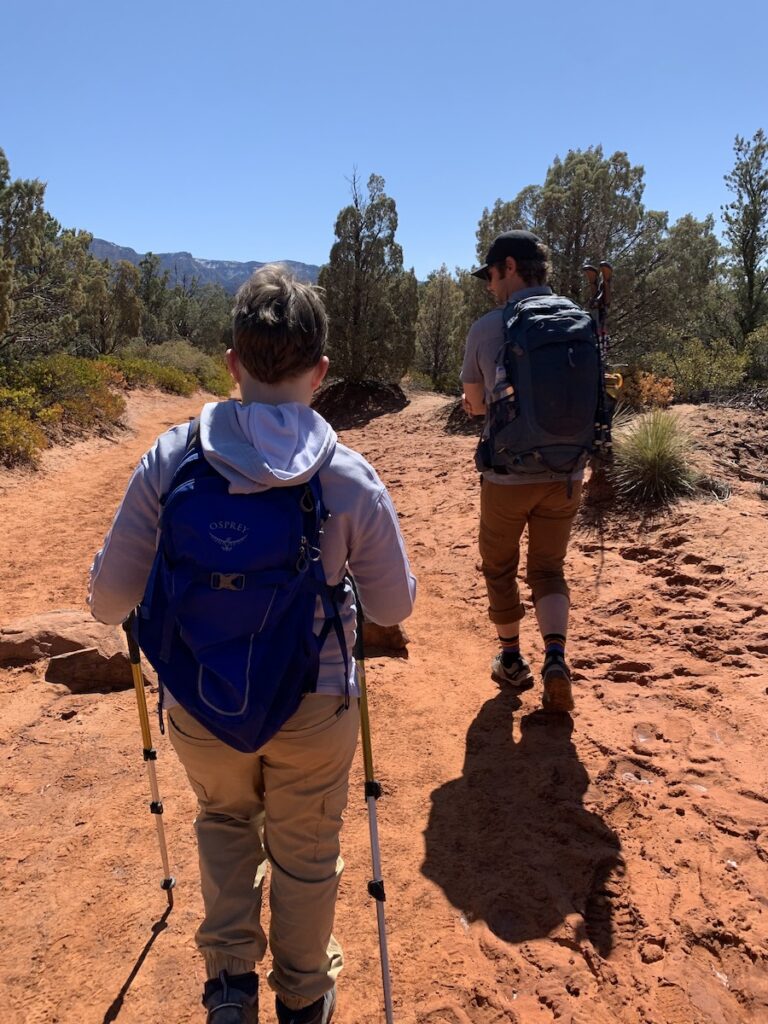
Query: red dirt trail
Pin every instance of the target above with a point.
(612, 869)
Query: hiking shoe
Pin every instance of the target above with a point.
(517, 674)
(558, 696)
(319, 1012)
(232, 999)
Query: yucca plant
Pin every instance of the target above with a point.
(651, 464)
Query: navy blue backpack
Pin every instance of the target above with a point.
(549, 410)
(227, 616)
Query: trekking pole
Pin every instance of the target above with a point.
(372, 794)
(604, 301)
(150, 754)
(592, 275)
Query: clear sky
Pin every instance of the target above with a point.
(230, 129)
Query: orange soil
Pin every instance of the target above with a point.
(609, 871)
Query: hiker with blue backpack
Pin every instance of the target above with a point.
(234, 537)
(532, 367)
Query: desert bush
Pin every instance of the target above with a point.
(651, 459)
(644, 390)
(21, 440)
(209, 371)
(73, 393)
(757, 352)
(418, 381)
(698, 368)
(147, 373)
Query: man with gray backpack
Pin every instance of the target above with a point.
(235, 536)
(532, 368)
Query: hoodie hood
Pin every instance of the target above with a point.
(257, 446)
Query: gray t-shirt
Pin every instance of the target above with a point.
(484, 341)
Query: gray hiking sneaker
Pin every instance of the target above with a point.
(558, 696)
(517, 674)
(232, 999)
(319, 1012)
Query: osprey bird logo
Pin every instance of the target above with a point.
(227, 543)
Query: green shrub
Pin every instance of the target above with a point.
(698, 368)
(418, 381)
(21, 440)
(209, 371)
(71, 392)
(651, 459)
(138, 373)
(757, 352)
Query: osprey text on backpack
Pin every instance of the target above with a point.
(227, 617)
(548, 412)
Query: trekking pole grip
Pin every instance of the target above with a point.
(372, 787)
(134, 656)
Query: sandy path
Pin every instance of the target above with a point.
(612, 871)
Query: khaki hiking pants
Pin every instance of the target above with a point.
(283, 804)
(505, 511)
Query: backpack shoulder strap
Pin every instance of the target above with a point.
(193, 434)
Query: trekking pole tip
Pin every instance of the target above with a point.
(169, 884)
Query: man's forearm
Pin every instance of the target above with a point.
(473, 399)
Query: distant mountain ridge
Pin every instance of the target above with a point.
(183, 266)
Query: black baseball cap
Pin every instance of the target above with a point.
(520, 245)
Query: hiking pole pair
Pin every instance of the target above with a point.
(372, 794)
(150, 754)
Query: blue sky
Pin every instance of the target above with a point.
(230, 129)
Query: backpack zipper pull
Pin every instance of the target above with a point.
(302, 562)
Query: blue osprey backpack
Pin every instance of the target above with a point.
(227, 617)
(548, 411)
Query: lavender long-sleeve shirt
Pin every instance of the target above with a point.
(256, 446)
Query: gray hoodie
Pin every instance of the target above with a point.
(254, 447)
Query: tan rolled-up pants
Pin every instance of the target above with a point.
(283, 803)
(505, 510)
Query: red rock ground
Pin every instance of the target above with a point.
(609, 870)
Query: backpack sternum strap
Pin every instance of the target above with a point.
(227, 581)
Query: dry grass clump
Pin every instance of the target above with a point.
(651, 461)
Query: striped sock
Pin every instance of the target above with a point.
(554, 644)
(510, 650)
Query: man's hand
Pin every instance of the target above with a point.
(472, 401)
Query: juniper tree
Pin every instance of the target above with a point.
(439, 339)
(746, 230)
(371, 300)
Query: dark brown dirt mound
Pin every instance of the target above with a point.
(457, 422)
(347, 404)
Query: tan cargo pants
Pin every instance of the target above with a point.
(505, 511)
(283, 804)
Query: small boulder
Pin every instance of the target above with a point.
(57, 632)
(388, 638)
(90, 670)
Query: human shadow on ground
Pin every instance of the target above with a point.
(510, 842)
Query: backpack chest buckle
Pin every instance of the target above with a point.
(227, 581)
